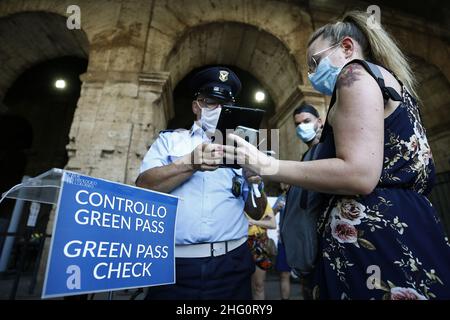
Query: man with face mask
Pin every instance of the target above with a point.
(299, 217)
(213, 260)
(308, 124)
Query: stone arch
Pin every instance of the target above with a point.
(43, 36)
(115, 34)
(434, 92)
(274, 27)
(421, 39)
(172, 21)
(92, 23)
(17, 137)
(254, 50)
(243, 46)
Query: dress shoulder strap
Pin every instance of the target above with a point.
(375, 72)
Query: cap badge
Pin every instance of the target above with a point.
(223, 75)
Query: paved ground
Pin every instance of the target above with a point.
(273, 287)
(6, 284)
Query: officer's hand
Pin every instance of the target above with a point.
(251, 176)
(249, 157)
(207, 157)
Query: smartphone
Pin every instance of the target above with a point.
(250, 135)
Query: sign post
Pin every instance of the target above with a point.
(107, 236)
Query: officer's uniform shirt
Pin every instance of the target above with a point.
(208, 211)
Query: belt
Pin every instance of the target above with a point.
(202, 250)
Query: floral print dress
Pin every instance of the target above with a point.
(388, 244)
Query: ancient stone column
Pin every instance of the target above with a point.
(119, 114)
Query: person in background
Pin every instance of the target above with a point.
(281, 263)
(299, 219)
(258, 242)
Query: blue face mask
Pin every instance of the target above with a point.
(324, 79)
(306, 132)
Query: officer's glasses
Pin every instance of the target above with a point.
(315, 58)
(209, 103)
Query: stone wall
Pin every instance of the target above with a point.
(140, 49)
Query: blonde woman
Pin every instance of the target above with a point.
(380, 237)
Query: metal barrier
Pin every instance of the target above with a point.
(24, 248)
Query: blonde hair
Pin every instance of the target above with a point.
(377, 45)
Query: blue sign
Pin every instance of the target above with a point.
(109, 236)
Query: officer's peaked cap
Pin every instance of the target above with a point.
(218, 82)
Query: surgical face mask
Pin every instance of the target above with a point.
(306, 131)
(209, 118)
(325, 77)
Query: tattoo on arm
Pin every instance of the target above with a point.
(349, 75)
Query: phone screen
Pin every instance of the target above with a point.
(250, 135)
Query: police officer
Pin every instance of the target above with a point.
(213, 260)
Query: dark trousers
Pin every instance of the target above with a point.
(226, 277)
